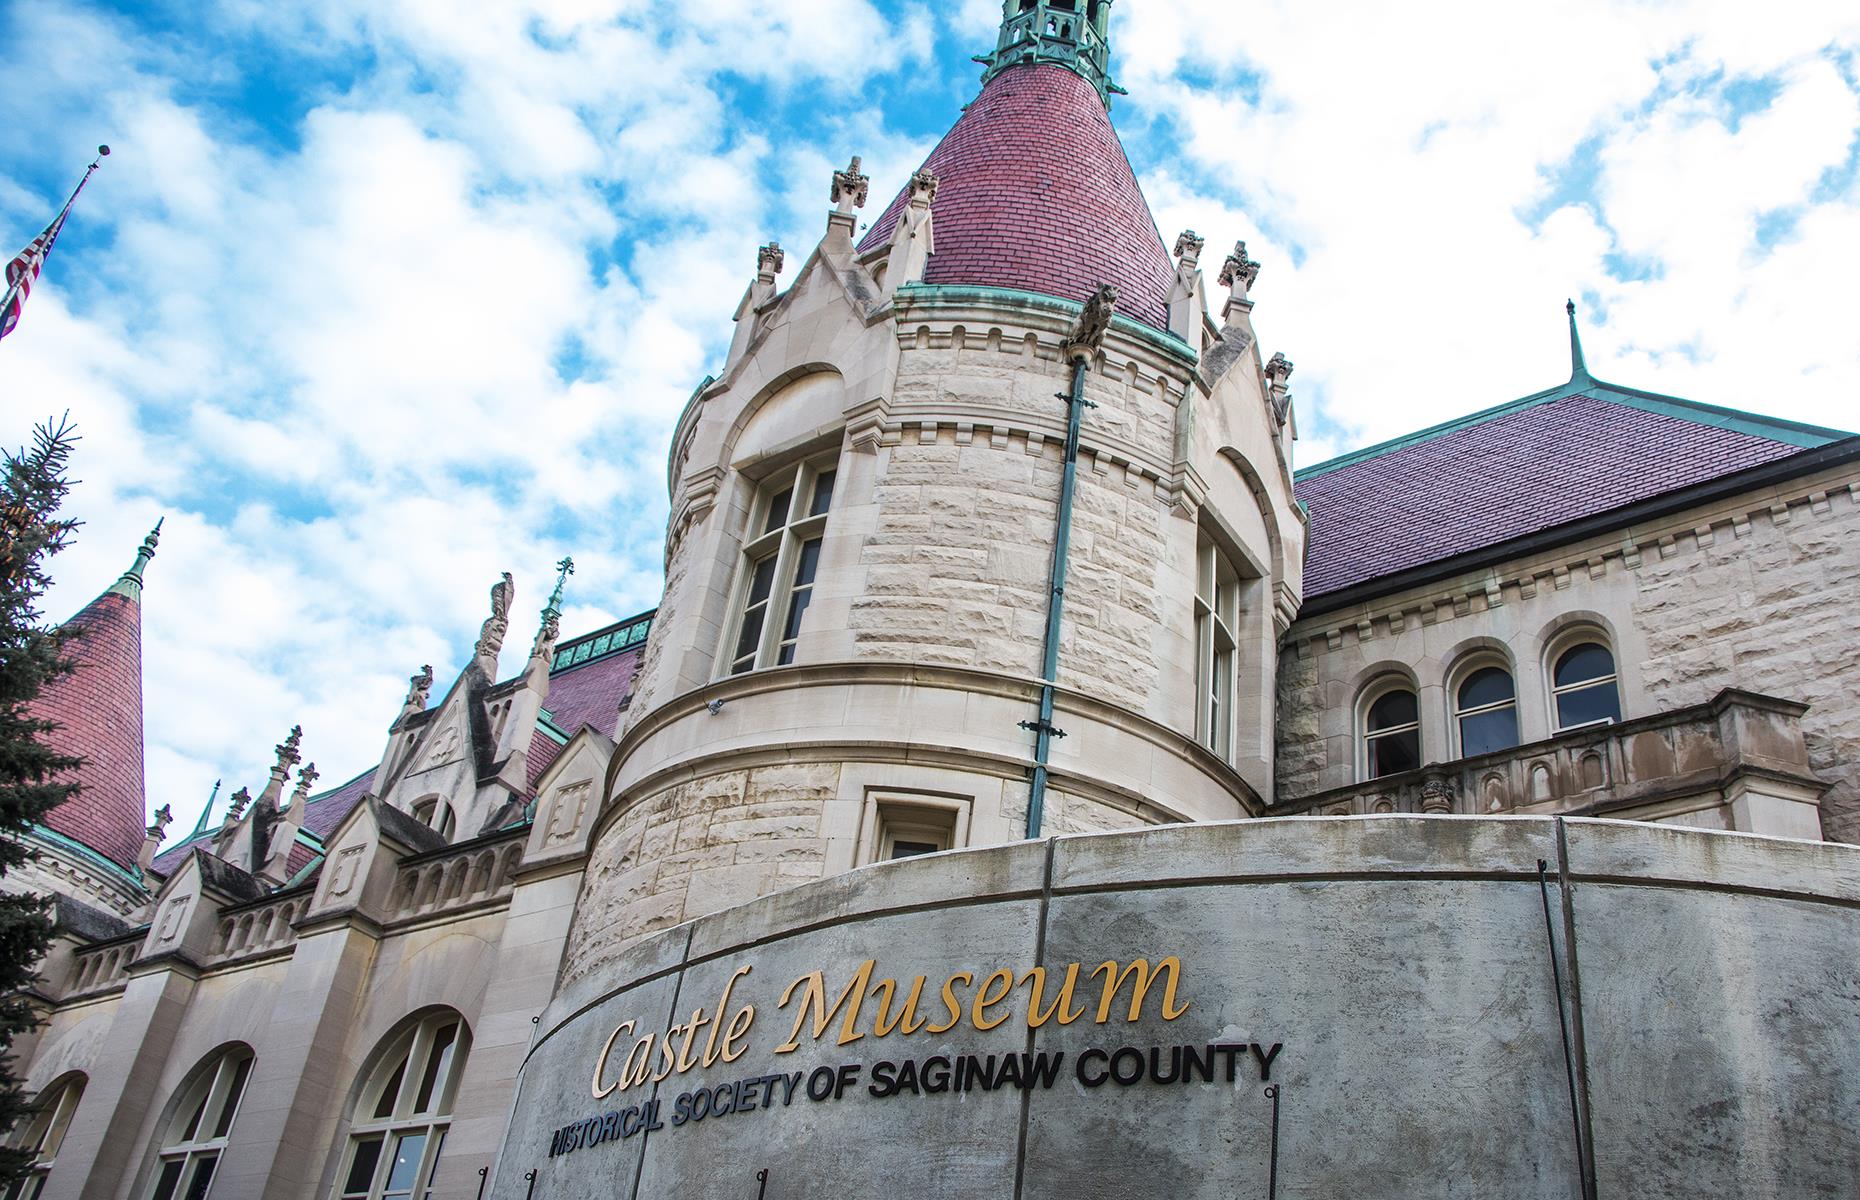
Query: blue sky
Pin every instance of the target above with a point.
(379, 298)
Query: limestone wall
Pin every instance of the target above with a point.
(1417, 1050)
(1757, 593)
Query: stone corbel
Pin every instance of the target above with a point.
(865, 424)
(1187, 491)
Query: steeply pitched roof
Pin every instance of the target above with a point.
(99, 709)
(1550, 459)
(1036, 193)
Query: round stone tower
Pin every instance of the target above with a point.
(984, 531)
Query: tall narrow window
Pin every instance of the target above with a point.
(1584, 685)
(403, 1112)
(1488, 712)
(436, 815)
(1392, 734)
(197, 1134)
(779, 565)
(1217, 621)
(42, 1136)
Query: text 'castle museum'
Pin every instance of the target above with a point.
(1383, 829)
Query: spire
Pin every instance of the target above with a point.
(98, 708)
(551, 627)
(129, 583)
(1578, 369)
(206, 814)
(1075, 34)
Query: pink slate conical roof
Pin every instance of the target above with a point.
(1036, 193)
(99, 706)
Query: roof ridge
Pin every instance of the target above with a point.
(1736, 420)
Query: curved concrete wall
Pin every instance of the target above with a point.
(1400, 965)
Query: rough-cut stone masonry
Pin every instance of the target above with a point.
(1773, 606)
(956, 570)
(695, 848)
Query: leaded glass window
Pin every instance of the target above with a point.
(403, 1112)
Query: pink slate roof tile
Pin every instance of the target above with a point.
(99, 709)
(1526, 468)
(1036, 193)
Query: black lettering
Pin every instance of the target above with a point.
(630, 1122)
(1175, 1064)
(907, 1078)
(653, 1124)
(1194, 1064)
(789, 1083)
(1010, 1071)
(820, 1083)
(1041, 1069)
(700, 1104)
(723, 1100)
(1229, 1053)
(1265, 1059)
(1085, 1061)
(1131, 1055)
(681, 1109)
(555, 1144)
(884, 1079)
(936, 1074)
(748, 1097)
(848, 1076)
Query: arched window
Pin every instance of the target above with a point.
(1584, 687)
(779, 564)
(403, 1111)
(1392, 734)
(1487, 712)
(197, 1133)
(1217, 624)
(436, 814)
(43, 1134)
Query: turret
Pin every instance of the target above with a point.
(1075, 34)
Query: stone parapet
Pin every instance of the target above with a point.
(1738, 762)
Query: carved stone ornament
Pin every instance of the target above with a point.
(158, 828)
(770, 258)
(1279, 369)
(1095, 319)
(1436, 795)
(305, 778)
(419, 687)
(1188, 246)
(288, 756)
(850, 188)
(923, 187)
(1239, 271)
(491, 636)
(240, 800)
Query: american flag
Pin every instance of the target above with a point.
(25, 268)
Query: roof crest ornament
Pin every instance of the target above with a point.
(551, 628)
(1062, 32)
(206, 813)
(418, 688)
(1578, 367)
(129, 583)
(1238, 274)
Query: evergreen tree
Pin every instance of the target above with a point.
(33, 777)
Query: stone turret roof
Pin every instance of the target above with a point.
(1547, 461)
(1036, 193)
(98, 707)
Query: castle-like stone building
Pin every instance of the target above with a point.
(987, 531)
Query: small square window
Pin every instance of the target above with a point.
(913, 824)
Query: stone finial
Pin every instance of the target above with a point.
(129, 583)
(1188, 247)
(151, 842)
(241, 800)
(1279, 369)
(850, 188)
(769, 261)
(491, 634)
(1239, 272)
(923, 187)
(1094, 320)
(288, 755)
(305, 779)
(551, 627)
(158, 828)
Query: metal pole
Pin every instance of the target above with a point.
(1055, 608)
(484, 1175)
(1562, 1024)
(762, 1177)
(532, 1178)
(1272, 1167)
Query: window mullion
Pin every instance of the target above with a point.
(416, 1071)
(780, 596)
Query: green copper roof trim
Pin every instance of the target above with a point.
(545, 723)
(603, 643)
(937, 295)
(1775, 429)
(1578, 366)
(102, 862)
(129, 583)
(1064, 33)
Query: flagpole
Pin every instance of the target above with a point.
(21, 281)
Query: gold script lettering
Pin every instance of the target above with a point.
(600, 1064)
(1140, 967)
(814, 1002)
